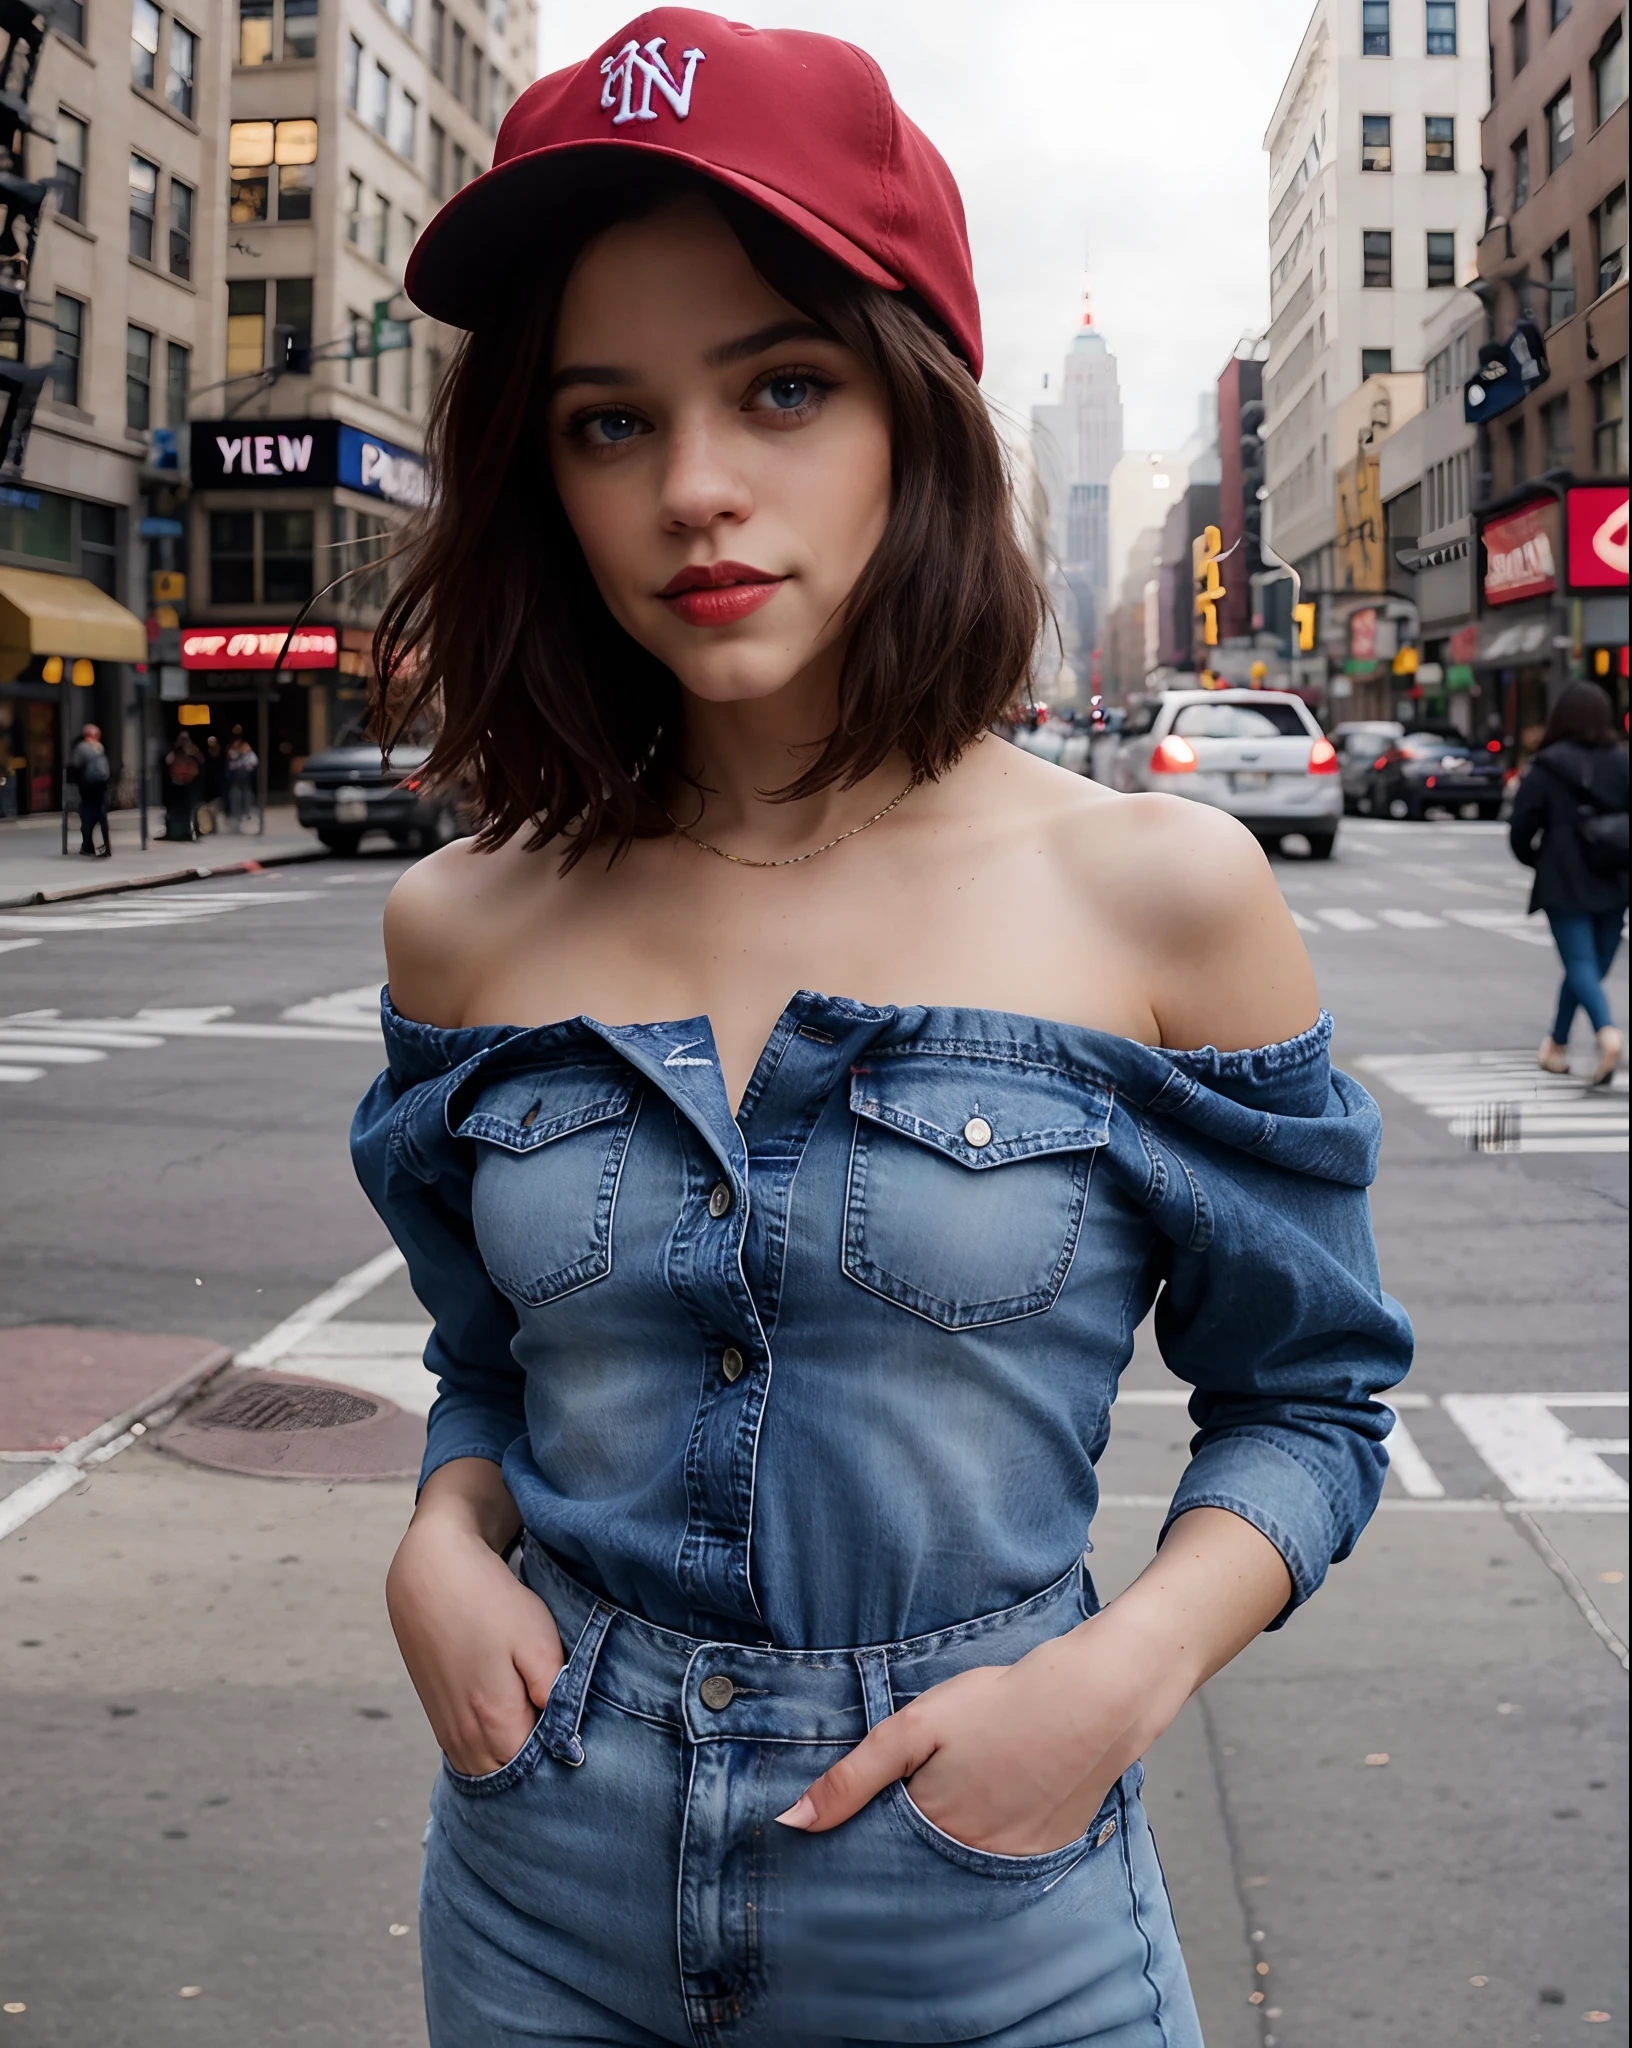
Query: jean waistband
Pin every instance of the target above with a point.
(718, 1691)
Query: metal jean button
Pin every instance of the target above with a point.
(732, 1363)
(716, 1693)
(719, 1202)
(977, 1132)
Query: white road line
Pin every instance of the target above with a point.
(22, 1073)
(1349, 920)
(1412, 920)
(1535, 1454)
(1416, 1476)
(53, 1053)
(322, 1308)
(1304, 924)
(1512, 924)
(1502, 1102)
(381, 1358)
(16, 945)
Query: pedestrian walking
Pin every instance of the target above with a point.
(242, 764)
(88, 771)
(183, 771)
(212, 786)
(784, 1333)
(1569, 824)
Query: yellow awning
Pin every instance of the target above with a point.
(45, 614)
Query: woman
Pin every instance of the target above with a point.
(1569, 824)
(183, 766)
(785, 1333)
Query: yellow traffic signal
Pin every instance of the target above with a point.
(1303, 617)
(1205, 550)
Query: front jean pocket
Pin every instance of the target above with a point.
(520, 1767)
(968, 1180)
(987, 1862)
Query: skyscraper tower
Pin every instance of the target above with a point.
(1077, 443)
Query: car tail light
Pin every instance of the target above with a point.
(1382, 760)
(1323, 758)
(1493, 746)
(1173, 756)
(1433, 781)
(412, 781)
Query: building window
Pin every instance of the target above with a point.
(232, 558)
(1376, 150)
(1560, 282)
(379, 106)
(1609, 237)
(437, 167)
(138, 379)
(177, 367)
(286, 557)
(1555, 433)
(292, 326)
(402, 13)
(254, 31)
(1518, 467)
(1377, 248)
(299, 30)
(405, 128)
(246, 327)
(354, 74)
(1560, 129)
(255, 149)
(181, 73)
(1441, 260)
(144, 200)
(478, 58)
(296, 153)
(1442, 28)
(70, 347)
(1439, 142)
(1561, 11)
(72, 138)
(382, 228)
(1609, 73)
(1521, 170)
(357, 327)
(1374, 28)
(439, 37)
(457, 81)
(1519, 31)
(1608, 421)
(495, 99)
(181, 229)
(144, 44)
(354, 209)
(249, 146)
(69, 20)
(1376, 362)
(457, 181)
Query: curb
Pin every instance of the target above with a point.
(34, 897)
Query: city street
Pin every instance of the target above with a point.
(1398, 1821)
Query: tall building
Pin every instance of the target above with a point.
(1376, 204)
(1143, 485)
(1078, 442)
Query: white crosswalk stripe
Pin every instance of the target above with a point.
(33, 1042)
(137, 912)
(1503, 1102)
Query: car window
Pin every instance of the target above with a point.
(1240, 722)
(1141, 717)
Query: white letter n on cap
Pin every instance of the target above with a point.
(619, 72)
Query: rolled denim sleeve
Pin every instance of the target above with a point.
(423, 1197)
(1272, 1309)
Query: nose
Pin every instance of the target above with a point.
(702, 482)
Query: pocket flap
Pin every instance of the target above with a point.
(521, 1111)
(982, 1111)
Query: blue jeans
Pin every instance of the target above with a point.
(621, 1880)
(1587, 942)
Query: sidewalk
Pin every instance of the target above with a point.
(32, 870)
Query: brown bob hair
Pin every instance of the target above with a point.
(559, 721)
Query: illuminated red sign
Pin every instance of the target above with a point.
(1597, 516)
(233, 647)
(1363, 635)
(1520, 560)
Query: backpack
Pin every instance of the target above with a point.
(1600, 831)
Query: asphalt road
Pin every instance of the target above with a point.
(212, 1773)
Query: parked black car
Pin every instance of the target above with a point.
(1358, 743)
(344, 791)
(1425, 768)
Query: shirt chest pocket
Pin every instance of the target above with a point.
(967, 1184)
(550, 1152)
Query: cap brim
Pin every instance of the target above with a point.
(476, 251)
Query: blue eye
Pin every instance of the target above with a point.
(787, 394)
(615, 426)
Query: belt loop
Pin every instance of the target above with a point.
(564, 1709)
(874, 1667)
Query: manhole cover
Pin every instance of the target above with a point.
(286, 1426)
(285, 1406)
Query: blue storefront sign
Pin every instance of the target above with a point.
(273, 454)
(369, 464)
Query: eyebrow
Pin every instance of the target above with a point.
(742, 350)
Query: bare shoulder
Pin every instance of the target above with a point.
(444, 918)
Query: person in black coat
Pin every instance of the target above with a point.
(1577, 779)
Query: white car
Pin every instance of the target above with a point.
(1258, 754)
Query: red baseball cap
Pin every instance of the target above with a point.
(803, 125)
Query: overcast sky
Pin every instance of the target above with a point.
(1131, 129)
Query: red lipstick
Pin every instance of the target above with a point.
(719, 593)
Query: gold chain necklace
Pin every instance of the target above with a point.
(793, 860)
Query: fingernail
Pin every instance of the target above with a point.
(800, 1814)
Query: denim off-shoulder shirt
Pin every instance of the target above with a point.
(837, 1370)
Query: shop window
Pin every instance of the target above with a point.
(177, 379)
(232, 558)
(98, 546)
(181, 72)
(144, 202)
(246, 327)
(144, 44)
(286, 557)
(73, 138)
(1560, 130)
(1520, 153)
(254, 31)
(1560, 282)
(1609, 238)
(1376, 362)
(181, 229)
(1441, 260)
(1609, 73)
(1439, 142)
(1609, 421)
(1376, 148)
(138, 379)
(69, 352)
(45, 531)
(1442, 28)
(1556, 438)
(1377, 252)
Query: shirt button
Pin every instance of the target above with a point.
(719, 1202)
(716, 1693)
(732, 1363)
(977, 1132)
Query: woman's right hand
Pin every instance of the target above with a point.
(481, 1649)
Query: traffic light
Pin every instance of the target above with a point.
(1205, 550)
(1303, 618)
